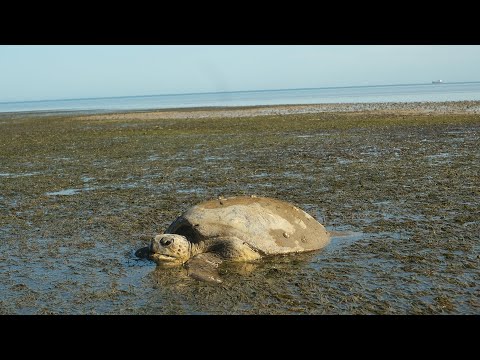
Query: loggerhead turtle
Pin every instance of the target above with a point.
(235, 228)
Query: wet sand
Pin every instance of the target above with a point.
(80, 193)
(453, 107)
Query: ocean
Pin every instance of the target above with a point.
(355, 94)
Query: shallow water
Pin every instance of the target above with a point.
(352, 94)
(403, 193)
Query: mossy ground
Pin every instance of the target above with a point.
(409, 184)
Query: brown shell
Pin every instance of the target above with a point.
(268, 225)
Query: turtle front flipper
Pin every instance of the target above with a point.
(204, 267)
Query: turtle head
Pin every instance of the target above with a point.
(170, 249)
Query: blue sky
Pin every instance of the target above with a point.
(62, 72)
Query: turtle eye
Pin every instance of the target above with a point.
(165, 242)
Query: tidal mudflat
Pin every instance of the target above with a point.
(80, 193)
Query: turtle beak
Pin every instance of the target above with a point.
(143, 253)
(155, 244)
(152, 247)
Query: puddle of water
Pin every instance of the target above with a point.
(260, 175)
(178, 156)
(11, 175)
(153, 158)
(305, 136)
(87, 178)
(128, 125)
(343, 161)
(457, 139)
(389, 216)
(372, 152)
(213, 158)
(291, 174)
(340, 239)
(69, 192)
(125, 186)
(153, 176)
(312, 135)
(5, 229)
(191, 191)
(438, 156)
(185, 168)
(65, 192)
(455, 132)
(384, 202)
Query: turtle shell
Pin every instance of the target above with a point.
(268, 225)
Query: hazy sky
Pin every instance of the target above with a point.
(62, 72)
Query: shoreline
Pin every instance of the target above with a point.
(424, 107)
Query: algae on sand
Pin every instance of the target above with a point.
(408, 183)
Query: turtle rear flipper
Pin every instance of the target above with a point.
(204, 267)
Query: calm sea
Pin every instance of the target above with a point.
(357, 94)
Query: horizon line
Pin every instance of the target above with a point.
(236, 91)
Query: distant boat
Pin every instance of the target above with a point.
(437, 82)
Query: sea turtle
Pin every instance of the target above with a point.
(242, 228)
